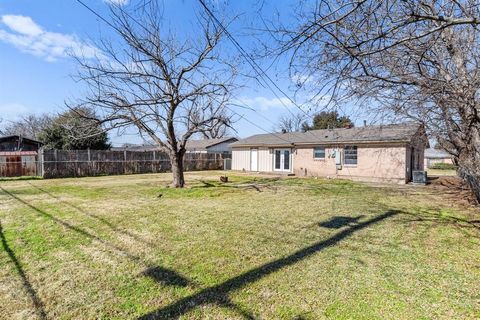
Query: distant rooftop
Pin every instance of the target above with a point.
(192, 145)
(10, 137)
(202, 145)
(379, 133)
(437, 154)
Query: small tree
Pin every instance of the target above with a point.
(293, 123)
(75, 130)
(328, 120)
(169, 87)
(29, 126)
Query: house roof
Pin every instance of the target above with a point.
(436, 154)
(10, 137)
(204, 144)
(403, 132)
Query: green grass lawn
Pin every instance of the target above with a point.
(127, 247)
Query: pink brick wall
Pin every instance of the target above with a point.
(375, 163)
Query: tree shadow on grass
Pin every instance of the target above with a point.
(470, 228)
(92, 215)
(219, 294)
(37, 302)
(91, 236)
(166, 276)
(338, 222)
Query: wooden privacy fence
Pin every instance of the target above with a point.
(86, 163)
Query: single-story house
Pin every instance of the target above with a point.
(433, 156)
(386, 153)
(19, 156)
(220, 145)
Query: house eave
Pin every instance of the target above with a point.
(331, 143)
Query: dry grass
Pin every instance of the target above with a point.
(126, 247)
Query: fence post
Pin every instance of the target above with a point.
(153, 162)
(56, 160)
(124, 161)
(42, 163)
(89, 164)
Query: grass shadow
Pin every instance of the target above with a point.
(166, 276)
(218, 294)
(74, 228)
(338, 222)
(470, 228)
(98, 218)
(37, 302)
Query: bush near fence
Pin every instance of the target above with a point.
(443, 166)
(86, 163)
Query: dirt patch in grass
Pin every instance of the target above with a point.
(454, 188)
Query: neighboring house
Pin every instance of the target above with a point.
(372, 153)
(18, 143)
(19, 156)
(221, 145)
(433, 156)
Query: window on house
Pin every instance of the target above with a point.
(350, 155)
(319, 153)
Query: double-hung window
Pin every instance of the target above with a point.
(319, 153)
(350, 155)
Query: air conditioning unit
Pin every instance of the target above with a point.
(419, 177)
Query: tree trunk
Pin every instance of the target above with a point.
(469, 162)
(176, 160)
(469, 171)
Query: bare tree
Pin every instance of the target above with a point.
(413, 59)
(167, 86)
(219, 128)
(291, 123)
(30, 125)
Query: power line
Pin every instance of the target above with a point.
(253, 63)
(259, 127)
(245, 105)
(99, 16)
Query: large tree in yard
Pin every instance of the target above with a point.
(417, 59)
(166, 86)
(75, 129)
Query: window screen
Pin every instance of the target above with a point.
(350, 155)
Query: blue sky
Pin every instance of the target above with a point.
(35, 71)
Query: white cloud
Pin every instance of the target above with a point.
(29, 37)
(117, 2)
(265, 103)
(22, 24)
(10, 111)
